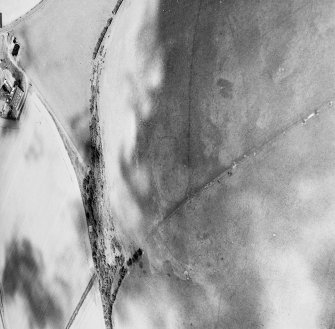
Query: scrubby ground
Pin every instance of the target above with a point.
(108, 253)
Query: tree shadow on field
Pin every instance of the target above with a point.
(81, 227)
(36, 148)
(23, 275)
(26, 52)
(8, 127)
(79, 123)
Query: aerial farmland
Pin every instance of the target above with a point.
(167, 164)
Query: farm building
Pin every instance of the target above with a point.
(16, 49)
(3, 50)
(16, 102)
(2, 77)
(4, 108)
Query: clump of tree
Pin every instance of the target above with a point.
(101, 37)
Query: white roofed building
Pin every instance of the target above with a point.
(2, 78)
(9, 77)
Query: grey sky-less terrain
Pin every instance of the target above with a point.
(199, 138)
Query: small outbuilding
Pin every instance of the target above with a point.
(16, 102)
(16, 49)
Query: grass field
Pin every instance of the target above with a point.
(57, 48)
(45, 256)
(13, 9)
(233, 167)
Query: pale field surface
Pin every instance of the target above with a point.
(45, 256)
(57, 47)
(91, 313)
(180, 107)
(13, 9)
(132, 71)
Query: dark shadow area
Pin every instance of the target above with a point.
(79, 123)
(36, 148)
(236, 74)
(23, 274)
(232, 81)
(81, 227)
(8, 126)
(26, 51)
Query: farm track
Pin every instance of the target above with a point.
(81, 301)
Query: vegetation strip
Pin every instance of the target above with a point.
(105, 29)
(110, 269)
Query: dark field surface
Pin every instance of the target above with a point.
(234, 204)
